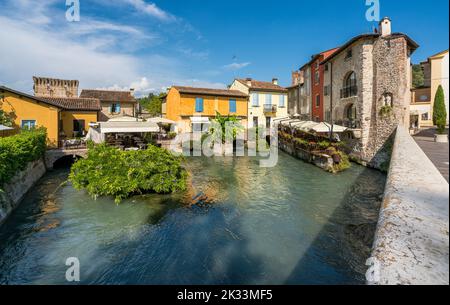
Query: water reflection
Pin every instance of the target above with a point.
(237, 224)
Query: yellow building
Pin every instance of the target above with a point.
(64, 118)
(193, 108)
(268, 101)
(436, 73)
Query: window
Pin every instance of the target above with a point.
(282, 101)
(425, 116)
(255, 121)
(349, 54)
(317, 100)
(78, 125)
(326, 90)
(268, 99)
(317, 77)
(350, 112)
(233, 106)
(268, 122)
(424, 98)
(255, 99)
(317, 119)
(328, 116)
(326, 67)
(28, 124)
(349, 87)
(115, 108)
(199, 104)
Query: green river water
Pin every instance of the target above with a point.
(291, 224)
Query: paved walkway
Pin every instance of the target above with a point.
(437, 152)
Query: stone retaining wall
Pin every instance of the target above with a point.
(21, 183)
(412, 240)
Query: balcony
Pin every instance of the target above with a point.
(349, 91)
(269, 108)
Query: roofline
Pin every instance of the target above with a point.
(19, 93)
(440, 54)
(43, 100)
(241, 94)
(314, 57)
(261, 89)
(410, 41)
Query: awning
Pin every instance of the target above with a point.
(4, 128)
(125, 119)
(314, 126)
(128, 127)
(200, 120)
(161, 121)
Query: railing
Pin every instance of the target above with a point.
(270, 108)
(349, 91)
(349, 123)
(73, 144)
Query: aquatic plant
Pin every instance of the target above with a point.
(108, 171)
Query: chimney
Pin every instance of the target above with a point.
(249, 82)
(132, 91)
(275, 81)
(385, 27)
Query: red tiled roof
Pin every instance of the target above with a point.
(206, 91)
(262, 86)
(86, 104)
(80, 104)
(109, 95)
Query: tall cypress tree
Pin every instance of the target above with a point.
(439, 111)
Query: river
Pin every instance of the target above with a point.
(291, 224)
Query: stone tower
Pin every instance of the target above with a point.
(51, 87)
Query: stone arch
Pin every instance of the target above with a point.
(349, 79)
(65, 161)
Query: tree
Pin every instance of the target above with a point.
(418, 76)
(6, 119)
(152, 103)
(439, 111)
(221, 122)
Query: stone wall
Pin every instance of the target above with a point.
(16, 189)
(412, 240)
(382, 69)
(390, 86)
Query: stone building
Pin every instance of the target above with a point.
(114, 103)
(370, 89)
(299, 94)
(51, 87)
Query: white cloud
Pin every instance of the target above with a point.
(95, 52)
(236, 66)
(151, 9)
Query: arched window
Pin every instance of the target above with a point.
(349, 87)
(350, 80)
(350, 112)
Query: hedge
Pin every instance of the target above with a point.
(17, 151)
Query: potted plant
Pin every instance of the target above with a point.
(440, 116)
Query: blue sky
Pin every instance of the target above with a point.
(150, 45)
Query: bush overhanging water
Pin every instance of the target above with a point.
(108, 171)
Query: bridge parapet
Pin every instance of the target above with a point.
(51, 156)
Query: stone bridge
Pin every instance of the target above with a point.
(51, 156)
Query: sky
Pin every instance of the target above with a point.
(150, 45)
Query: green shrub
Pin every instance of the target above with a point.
(108, 171)
(17, 151)
(439, 111)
